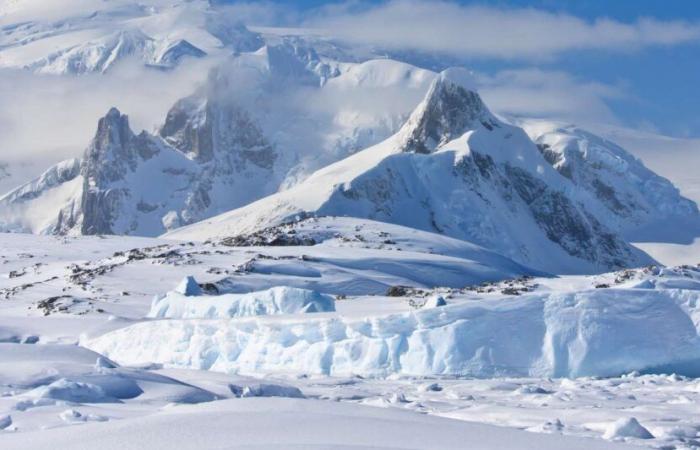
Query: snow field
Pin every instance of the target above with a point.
(636, 318)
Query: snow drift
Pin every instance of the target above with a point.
(49, 374)
(600, 332)
(278, 300)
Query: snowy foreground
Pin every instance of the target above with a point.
(346, 343)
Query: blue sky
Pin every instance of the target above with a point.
(612, 65)
(663, 83)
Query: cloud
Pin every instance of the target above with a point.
(550, 94)
(265, 13)
(13, 11)
(477, 31)
(54, 117)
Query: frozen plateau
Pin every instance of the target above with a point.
(319, 245)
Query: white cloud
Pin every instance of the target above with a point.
(549, 94)
(53, 117)
(263, 13)
(448, 28)
(13, 11)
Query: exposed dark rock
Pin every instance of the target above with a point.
(398, 291)
(271, 237)
(448, 112)
(215, 129)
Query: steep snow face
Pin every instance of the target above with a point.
(14, 173)
(234, 36)
(138, 184)
(210, 129)
(35, 206)
(293, 58)
(636, 200)
(56, 175)
(114, 165)
(455, 169)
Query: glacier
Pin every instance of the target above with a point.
(602, 332)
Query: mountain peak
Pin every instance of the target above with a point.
(111, 147)
(459, 77)
(450, 108)
(113, 128)
(113, 113)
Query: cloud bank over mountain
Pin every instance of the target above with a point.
(471, 30)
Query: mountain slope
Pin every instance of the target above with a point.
(456, 169)
(217, 149)
(134, 184)
(639, 202)
(268, 119)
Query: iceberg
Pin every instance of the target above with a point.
(278, 300)
(600, 332)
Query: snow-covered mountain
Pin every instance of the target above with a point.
(292, 125)
(349, 235)
(638, 201)
(102, 54)
(95, 36)
(86, 36)
(565, 204)
(216, 150)
(138, 184)
(457, 169)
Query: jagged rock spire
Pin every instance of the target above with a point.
(111, 150)
(211, 128)
(450, 108)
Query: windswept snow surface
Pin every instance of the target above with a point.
(58, 291)
(291, 424)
